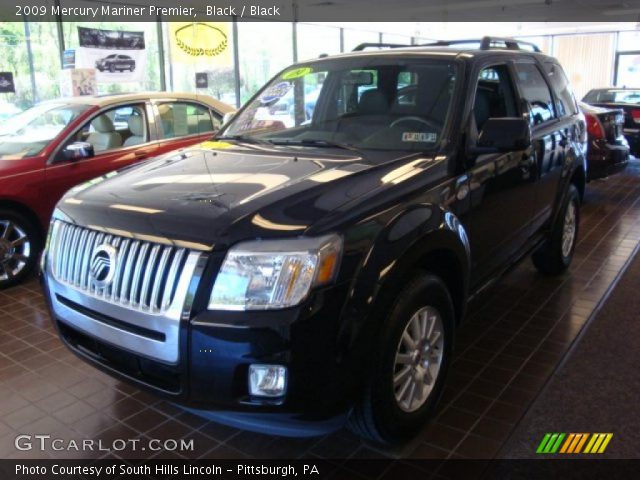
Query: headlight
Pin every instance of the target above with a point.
(271, 274)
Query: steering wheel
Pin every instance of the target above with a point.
(426, 122)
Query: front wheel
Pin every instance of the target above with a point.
(19, 246)
(555, 255)
(406, 379)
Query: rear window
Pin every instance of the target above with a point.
(631, 97)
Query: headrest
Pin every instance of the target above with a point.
(135, 125)
(103, 124)
(373, 102)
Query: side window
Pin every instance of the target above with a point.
(566, 102)
(179, 119)
(494, 95)
(536, 91)
(118, 127)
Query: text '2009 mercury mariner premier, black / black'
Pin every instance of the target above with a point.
(310, 264)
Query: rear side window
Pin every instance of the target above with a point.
(179, 119)
(536, 91)
(565, 102)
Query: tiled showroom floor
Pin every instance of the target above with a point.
(505, 352)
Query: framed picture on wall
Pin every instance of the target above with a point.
(6, 83)
(627, 69)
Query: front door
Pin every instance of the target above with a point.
(120, 137)
(501, 184)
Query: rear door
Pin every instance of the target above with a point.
(118, 141)
(551, 133)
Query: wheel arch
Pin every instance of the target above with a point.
(23, 210)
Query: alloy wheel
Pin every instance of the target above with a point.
(418, 359)
(15, 250)
(569, 229)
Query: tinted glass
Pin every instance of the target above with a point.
(566, 102)
(536, 91)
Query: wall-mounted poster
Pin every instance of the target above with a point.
(6, 83)
(200, 42)
(118, 56)
(202, 80)
(76, 82)
(69, 59)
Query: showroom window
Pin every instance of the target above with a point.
(265, 49)
(178, 119)
(353, 38)
(536, 91)
(316, 40)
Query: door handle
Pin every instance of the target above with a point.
(140, 154)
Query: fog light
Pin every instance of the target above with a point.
(267, 380)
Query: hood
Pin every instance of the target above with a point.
(215, 193)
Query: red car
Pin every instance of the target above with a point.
(56, 145)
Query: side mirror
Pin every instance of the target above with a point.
(505, 134)
(227, 117)
(78, 151)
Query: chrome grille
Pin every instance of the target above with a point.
(146, 274)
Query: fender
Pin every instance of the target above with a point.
(398, 249)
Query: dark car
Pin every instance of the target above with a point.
(289, 278)
(607, 149)
(116, 62)
(626, 99)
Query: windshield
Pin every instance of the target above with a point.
(365, 103)
(613, 96)
(29, 132)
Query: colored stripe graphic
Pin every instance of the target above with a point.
(573, 443)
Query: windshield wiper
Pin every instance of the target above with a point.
(311, 142)
(244, 139)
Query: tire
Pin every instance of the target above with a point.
(20, 244)
(384, 414)
(555, 255)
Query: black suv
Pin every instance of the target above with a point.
(297, 271)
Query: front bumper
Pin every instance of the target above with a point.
(215, 349)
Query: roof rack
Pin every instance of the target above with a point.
(364, 46)
(486, 43)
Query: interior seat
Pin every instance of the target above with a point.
(104, 136)
(136, 127)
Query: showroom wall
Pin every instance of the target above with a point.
(32, 51)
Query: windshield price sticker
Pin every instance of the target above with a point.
(279, 90)
(419, 137)
(297, 73)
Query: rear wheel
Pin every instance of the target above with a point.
(19, 246)
(407, 376)
(555, 255)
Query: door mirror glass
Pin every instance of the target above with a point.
(505, 134)
(78, 150)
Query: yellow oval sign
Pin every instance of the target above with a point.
(296, 73)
